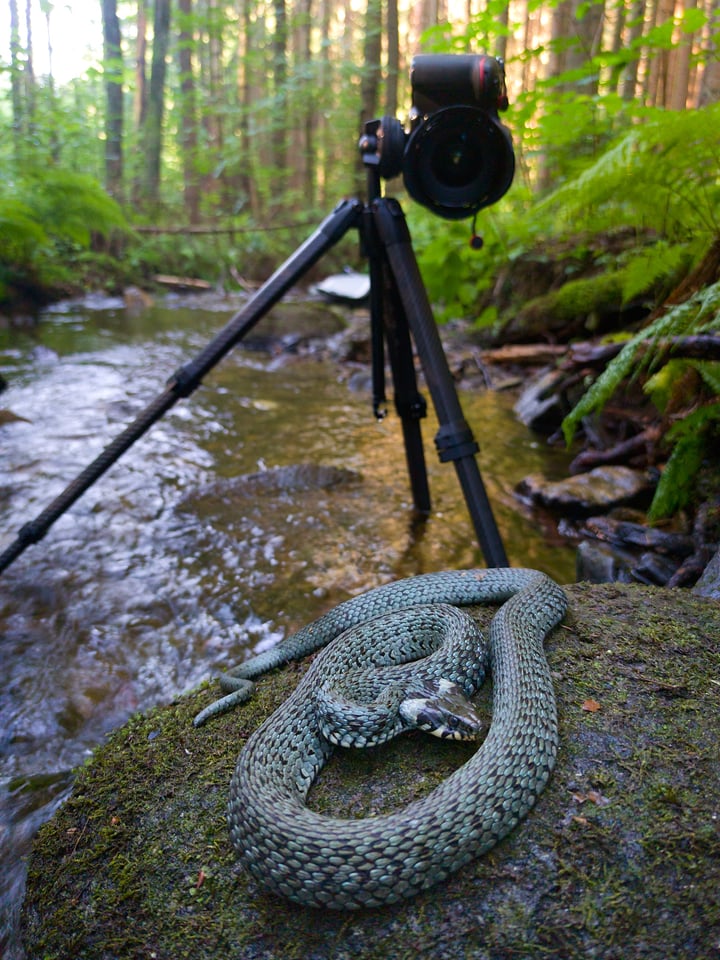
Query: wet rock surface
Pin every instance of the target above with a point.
(600, 489)
(709, 583)
(272, 482)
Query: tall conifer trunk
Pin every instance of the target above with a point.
(152, 128)
(113, 70)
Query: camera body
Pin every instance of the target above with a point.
(457, 156)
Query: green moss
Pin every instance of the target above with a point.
(584, 299)
(620, 857)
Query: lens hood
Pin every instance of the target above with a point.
(457, 161)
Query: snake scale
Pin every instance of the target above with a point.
(398, 637)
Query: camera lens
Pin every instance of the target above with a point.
(458, 161)
(455, 164)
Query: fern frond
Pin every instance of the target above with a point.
(661, 174)
(700, 313)
(71, 206)
(641, 273)
(20, 232)
(677, 481)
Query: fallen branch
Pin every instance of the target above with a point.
(181, 283)
(699, 347)
(642, 442)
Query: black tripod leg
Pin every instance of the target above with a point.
(454, 440)
(388, 322)
(409, 402)
(184, 381)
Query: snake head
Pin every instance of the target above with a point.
(441, 708)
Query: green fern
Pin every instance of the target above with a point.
(646, 269)
(689, 437)
(46, 218)
(698, 314)
(71, 206)
(20, 233)
(661, 174)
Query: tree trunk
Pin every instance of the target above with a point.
(140, 100)
(113, 71)
(628, 82)
(616, 42)
(280, 73)
(658, 89)
(529, 64)
(301, 107)
(559, 30)
(29, 72)
(585, 29)
(501, 38)
(152, 128)
(371, 69)
(709, 90)
(188, 113)
(393, 58)
(248, 75)
(16, 82)
(324, 130)
(680, 88)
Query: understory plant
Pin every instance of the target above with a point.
(48, 220)
(693, 425)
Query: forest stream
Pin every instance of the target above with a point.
(265, 498)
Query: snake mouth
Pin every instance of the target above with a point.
(441, 709)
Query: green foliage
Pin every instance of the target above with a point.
(455, 274)
(47, 220)
(690, 435)
(642, 271)
(660, 175)
(71, 206)
(691, 438)
(20, 232)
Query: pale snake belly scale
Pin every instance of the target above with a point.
(347, 864)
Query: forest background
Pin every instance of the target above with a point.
(209, 139)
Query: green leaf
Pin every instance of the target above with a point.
(698, 314)
(690, 438)
(709, 370)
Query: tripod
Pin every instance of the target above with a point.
(399, 307)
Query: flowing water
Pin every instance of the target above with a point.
(176, 564)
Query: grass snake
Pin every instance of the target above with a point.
(391, 658)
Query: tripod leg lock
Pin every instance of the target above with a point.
(31, 532)
(454, 441)
(413, 409)
(184, 381)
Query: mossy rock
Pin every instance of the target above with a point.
(619, 859)
(578, 308)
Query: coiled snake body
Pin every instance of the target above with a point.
(346, 864)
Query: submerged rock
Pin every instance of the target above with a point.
(275, 481)
(620, 856)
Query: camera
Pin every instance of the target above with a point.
(456, 157)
